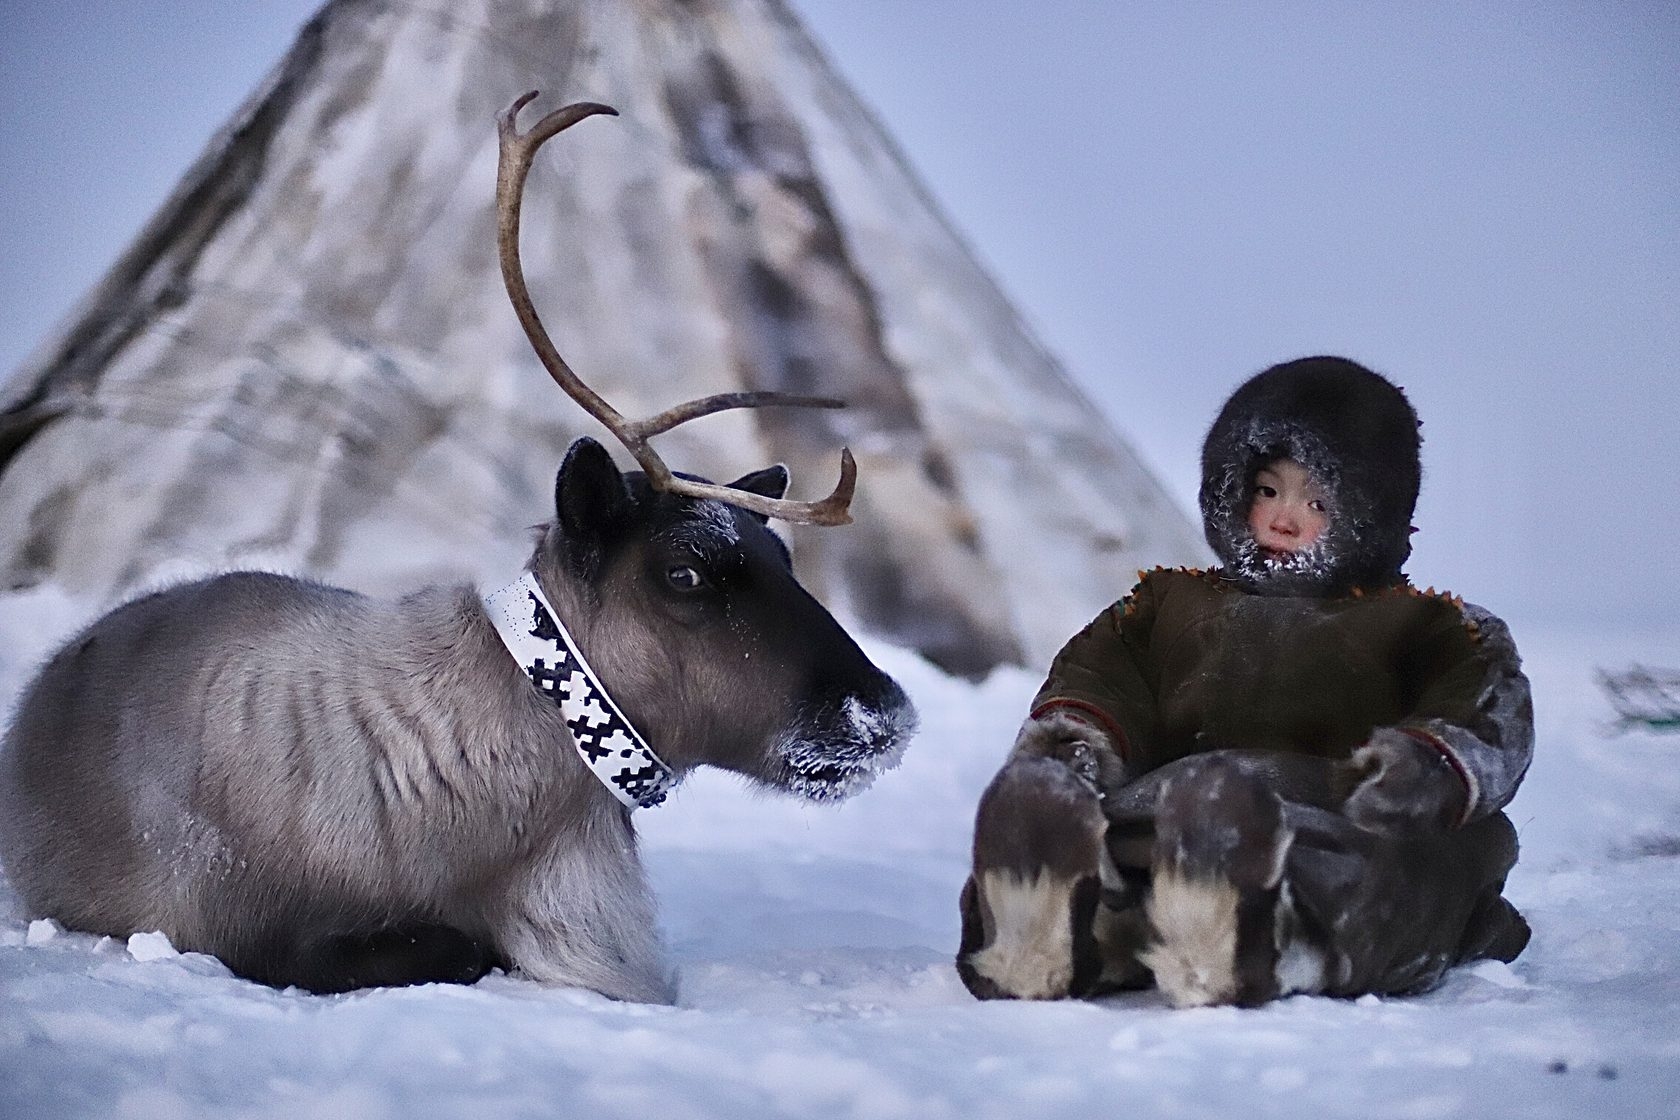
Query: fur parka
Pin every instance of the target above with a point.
(1191, 662)
(1315, 652)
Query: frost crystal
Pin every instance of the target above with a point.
(152, 946)
(838, 757)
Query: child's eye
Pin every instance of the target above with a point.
(1264, 491)
(1317, 505)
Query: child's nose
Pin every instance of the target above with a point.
(1286, 521)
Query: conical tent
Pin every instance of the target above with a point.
(308, 359)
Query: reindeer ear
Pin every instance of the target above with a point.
(591, 498)
(771, 482)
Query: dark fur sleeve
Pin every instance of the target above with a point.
(1474, 706)
(1101, 675)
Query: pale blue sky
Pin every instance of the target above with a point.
(1481, 200)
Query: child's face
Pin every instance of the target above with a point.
(1286, 512)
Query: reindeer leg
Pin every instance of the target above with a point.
(385, 956)
(399, 955)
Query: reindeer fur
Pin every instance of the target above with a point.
(329, 790)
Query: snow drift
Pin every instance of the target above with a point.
(814, 955)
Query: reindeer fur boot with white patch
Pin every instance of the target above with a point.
(1221, 842)
(1034, 923)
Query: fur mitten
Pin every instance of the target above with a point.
(1081, 746)
(1403, 783)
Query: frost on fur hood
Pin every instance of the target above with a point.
(1356, 434)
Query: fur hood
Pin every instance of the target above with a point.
(1357, 435)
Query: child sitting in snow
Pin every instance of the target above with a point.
(1281, 775)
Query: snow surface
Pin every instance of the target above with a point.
(813, 947)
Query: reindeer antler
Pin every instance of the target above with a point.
(516, 152)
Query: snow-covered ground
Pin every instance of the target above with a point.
(813, 947)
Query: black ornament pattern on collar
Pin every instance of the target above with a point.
(612, 749)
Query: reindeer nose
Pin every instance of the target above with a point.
(893, 698)
(856, 680)
(883, 717)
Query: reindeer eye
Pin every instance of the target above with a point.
(684, 578)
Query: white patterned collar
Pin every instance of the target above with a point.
(614, 751)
